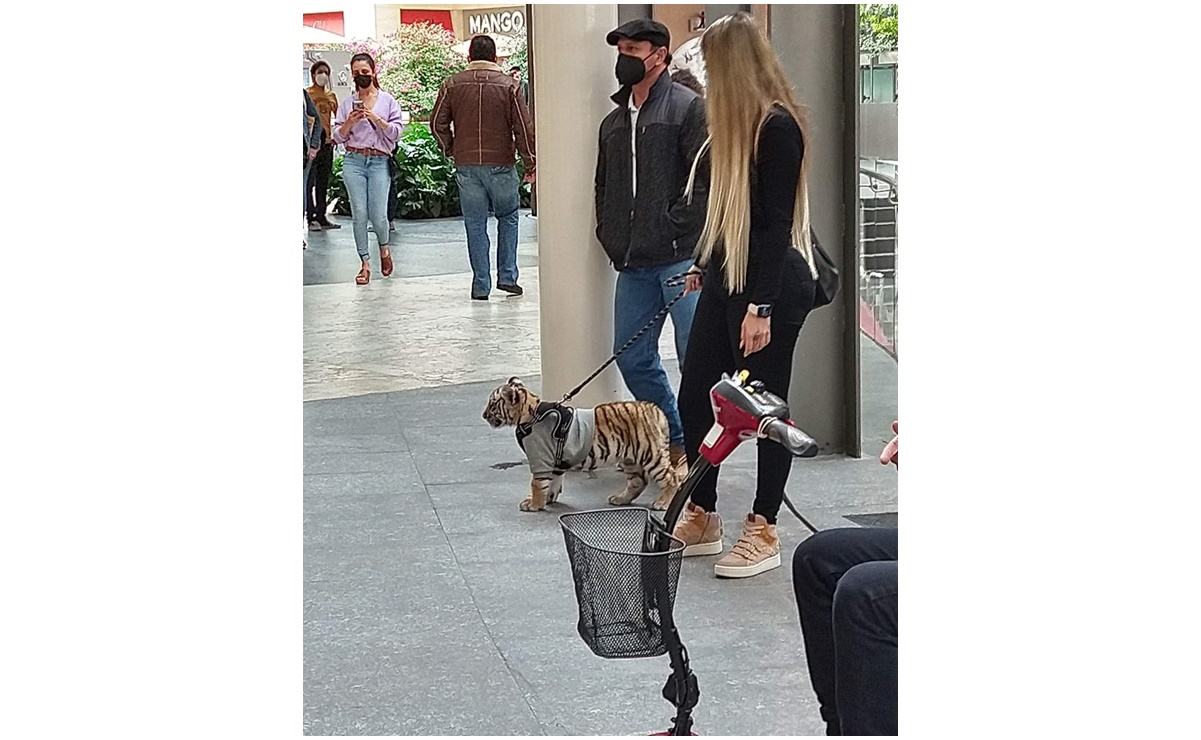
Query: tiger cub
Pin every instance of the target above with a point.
(633, 434)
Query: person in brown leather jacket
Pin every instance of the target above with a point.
(479, 119)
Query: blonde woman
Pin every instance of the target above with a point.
(754, 270)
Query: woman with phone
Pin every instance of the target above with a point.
(369, 124)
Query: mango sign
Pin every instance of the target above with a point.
(509, 22)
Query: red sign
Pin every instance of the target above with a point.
(331, 22)
(437, 17)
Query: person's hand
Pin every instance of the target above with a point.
(756, 333)
(693, 280)
(530, 177)
(313, 152)
(374, 119)
(889, 455)
(356, 115)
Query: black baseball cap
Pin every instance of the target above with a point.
(641, 29)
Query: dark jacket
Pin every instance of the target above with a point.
(659, 227)
(481, 116)
(313, 132)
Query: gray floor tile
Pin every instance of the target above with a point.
(448, 682)
(320, 461)
(378, 483)
(460, 454)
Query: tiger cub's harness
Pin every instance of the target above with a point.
(563, 416)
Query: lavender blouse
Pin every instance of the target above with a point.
(364, 134)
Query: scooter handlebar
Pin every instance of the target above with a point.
(789, 437)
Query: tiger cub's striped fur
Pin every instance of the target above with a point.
(632, 434)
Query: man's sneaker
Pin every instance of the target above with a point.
(757, 550)
(327, 225)
(513, 289)
(314, 226)
(479, 297)
(699, 530)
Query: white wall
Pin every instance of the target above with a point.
(359, 18)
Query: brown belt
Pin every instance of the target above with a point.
(367, 152)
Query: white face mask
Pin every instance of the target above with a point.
(321, 78)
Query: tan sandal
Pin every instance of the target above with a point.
(385, 264)
(363, 277)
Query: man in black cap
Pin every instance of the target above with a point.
(643, 218)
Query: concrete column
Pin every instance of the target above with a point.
(713, 12)
(818, 48)
(633, 11)
(576, 280)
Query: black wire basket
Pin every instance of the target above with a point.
(626, 568)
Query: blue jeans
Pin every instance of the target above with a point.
(305, 179)
(367, 181)
(641, 294)
(483, 188)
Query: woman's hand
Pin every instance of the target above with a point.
(890, 455)
(374, 119)
(693, 280)
(756, 333)
(352, 118)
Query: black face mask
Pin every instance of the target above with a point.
(630, 70)
(363, 81)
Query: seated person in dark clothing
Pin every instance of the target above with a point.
(846, 590)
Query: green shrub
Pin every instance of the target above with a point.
(427, 187)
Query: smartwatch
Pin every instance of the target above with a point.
(763, 310)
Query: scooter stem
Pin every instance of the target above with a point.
(676, 507)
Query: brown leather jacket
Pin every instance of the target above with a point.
(479, 114)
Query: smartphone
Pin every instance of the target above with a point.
(357, 104)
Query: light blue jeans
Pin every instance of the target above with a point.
(367, 181)
(640, 295)
(483, 188)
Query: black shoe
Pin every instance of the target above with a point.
(479, 297)
(330, 225)
(513, 289)
(314, 226)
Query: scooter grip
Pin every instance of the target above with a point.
(791, 438)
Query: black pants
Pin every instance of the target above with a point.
(318, 192)
(713, 350)
(393, 188)
(846, 590)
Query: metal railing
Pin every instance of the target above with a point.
(878, 257)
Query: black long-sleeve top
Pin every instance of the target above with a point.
(773, 195)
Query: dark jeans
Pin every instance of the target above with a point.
(317, 193)
(394, 188)
(846, 590)
(713, 350)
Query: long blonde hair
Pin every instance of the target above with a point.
(745, 81)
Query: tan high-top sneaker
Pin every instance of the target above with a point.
(699, 530)
(757, 550)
